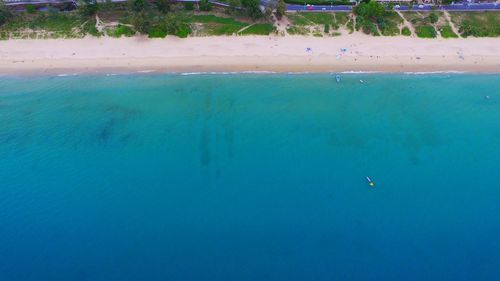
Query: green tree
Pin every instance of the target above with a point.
(88, 8)
(4, 13)
(30, 9)
(171, 24)
(205, 5)
(433, 18)
(163, 6)
(188, 6)
(234, 4)
(369, 15)
(141, 22)
(467, 29)
(106, 5)
(280, 9)
(252, 8)
(138, 5)
(371, 10)
(176, 26)
(405, 31)
(141, 19)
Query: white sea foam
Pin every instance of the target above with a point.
(360, 72)
(226, 72)
(192, 73)
(259, 72)
(298, 72)
(435, 72)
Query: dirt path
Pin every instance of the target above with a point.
(407, 24)
(99, 25)
(244, 28)
(281, 25)
(453, 27)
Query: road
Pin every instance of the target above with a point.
(455, 7)
(305, 8)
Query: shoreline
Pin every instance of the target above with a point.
(347, 53)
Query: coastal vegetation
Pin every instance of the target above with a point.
(426, 31)
(477, 24)
(423, 23)
(405, 31)
(161, 18)
(258, 29)
(447, 32)
(154, 19)
(5, 14)
(50, 24)
(373, 18)
(431, 24)
(327, 24)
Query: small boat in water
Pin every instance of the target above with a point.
(337, 77)
(370, 182)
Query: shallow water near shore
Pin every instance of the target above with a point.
(250, 177)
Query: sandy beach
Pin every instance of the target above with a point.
(250, 53)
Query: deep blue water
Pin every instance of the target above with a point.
(250, 177)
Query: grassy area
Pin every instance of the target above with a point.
(389, 24)
(215, 19)
(423, 23)
(367, 26)
(298, 30)
(298, 19)
(304, 19)
(416, 18)
(477, 24)
(121, 30)
(340, 19)
(214, 25)
(425, 31)
(157, 32)
(217, 25)
(318, 22)
(89, 28)
(44, 25)
(350, 25)
(259, 29)
(405, 31)
(319, 18)
(447, 32)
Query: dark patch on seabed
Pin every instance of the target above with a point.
(114, 130)
(205, 157)
(205, 139)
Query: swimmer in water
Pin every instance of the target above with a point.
(370, 182)
(486, 97)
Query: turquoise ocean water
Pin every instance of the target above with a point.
(250, 177)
